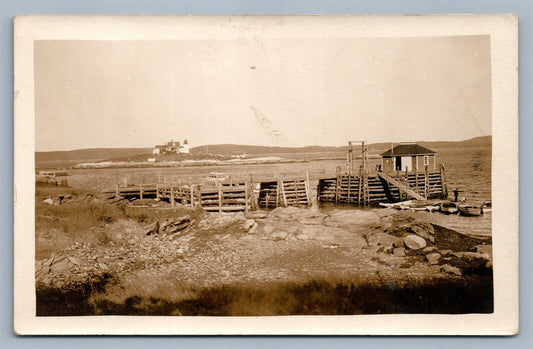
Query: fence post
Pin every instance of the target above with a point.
(199, 190)
(219, 197)
(246, 196)
(172, 195)
(426, 183)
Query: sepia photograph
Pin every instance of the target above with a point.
(267, 166)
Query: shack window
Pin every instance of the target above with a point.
(426, 160)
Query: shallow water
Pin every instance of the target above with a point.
(481, 225)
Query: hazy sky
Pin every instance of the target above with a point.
(288, 92)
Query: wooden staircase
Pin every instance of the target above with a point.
(295, 193)
(284, 193)
(402, 186)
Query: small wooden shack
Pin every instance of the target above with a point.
(408, 157)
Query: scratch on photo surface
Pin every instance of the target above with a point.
(268, 126)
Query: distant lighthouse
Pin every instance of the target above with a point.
(185, 147)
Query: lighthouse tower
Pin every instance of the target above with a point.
(185, 147)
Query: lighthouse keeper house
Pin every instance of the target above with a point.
(408, 157)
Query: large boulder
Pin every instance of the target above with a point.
(414, 242)
(424, 230)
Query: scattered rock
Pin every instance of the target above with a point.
(485, 249)
(445, 252)
(238, 217)
(383, 239)
(174, 225)
(152, 228)
(414, 242)
(248, 224)
(469, 262)
(433, 258)
(302, 237)
(398, 251)
(253, 229)
(430, 249)
(313, 232)
(401, 224)
(398, 243)
(48, 201)
(257, 214)
(451, 270)
(471, 255)
(279, 235)
(268, 229)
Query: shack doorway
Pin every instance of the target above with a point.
(398, 163)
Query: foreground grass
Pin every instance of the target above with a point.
(315, 297)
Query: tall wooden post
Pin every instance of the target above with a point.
(426, 183)
(141, 191)
(337, 186)
(307, 186)
(443, 182)
(349, 188)
(277, 190)
(252, 196)
(157, 191)
(116, 190)
(360, 186)
(192, 196)
(416, 178)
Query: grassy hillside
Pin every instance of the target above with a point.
(228, 149)
(90, 154)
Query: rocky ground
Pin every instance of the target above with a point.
(170, 257)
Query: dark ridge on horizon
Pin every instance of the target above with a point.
(228, 149)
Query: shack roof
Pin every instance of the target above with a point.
(407, 149)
